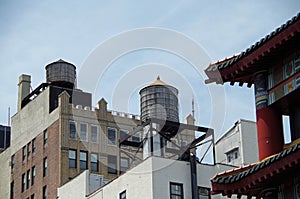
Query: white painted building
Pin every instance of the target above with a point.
(157, 178)
(154, 178)
(238, 146)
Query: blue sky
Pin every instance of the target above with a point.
(35, 33)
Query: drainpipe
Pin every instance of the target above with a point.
(193, 165)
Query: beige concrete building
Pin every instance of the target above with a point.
(57, 134)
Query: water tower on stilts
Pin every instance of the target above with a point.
(161, 128)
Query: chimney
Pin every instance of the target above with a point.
(24, 88)
(190, 120)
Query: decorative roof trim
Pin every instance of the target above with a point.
(243, 59)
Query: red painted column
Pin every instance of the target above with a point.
(269, 121)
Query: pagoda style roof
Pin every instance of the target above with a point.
(253, 179)
(261, 55)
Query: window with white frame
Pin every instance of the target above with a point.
(123, 195)
(72, 158)
(94, 133)
(83, 160)
(72, 128)
(232, 155)
(94, 162)
(83, 132)
(111, 136)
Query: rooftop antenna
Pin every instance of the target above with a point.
(193, 108)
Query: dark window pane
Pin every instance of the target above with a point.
(24, 153)
(45, 137)
(111, 134)
(12, 162)
(44, 192)
(28, 179)
(12, 190)
(23, 182)
(136, 138)
(176, 190)
(123, 134)
(72, 130)
(45, 167)
(33, 145)
(32, 175)
(112, 164)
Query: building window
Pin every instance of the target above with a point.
(32, 196)
(45, 166)
(45, 137)
(203, 193)
(33, 145)
(28, 179)
(83, 160)
(72, 130)
(83, 132)
(12, 190)
(32, 175)
(24, 153)
(45, 192)
(94, 162)
(23, 182)
(232, 155)
(136, 138)
(28, 150)
(124, 165)
(72, 158)
(176, 190)
(123, 133)
(12, 160)
(112, 138)
(94, 133)
(123, 195)
(112, 164)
